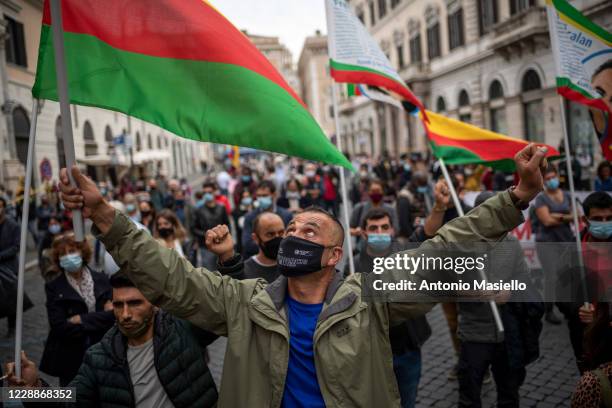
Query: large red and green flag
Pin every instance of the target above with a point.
(583, 59)
(461, 143)
(181, 65)
(356, 58)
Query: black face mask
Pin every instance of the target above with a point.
(270, 248)
(297, 257)
(165, 232)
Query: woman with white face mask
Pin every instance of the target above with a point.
(79, 308)
(553, 210)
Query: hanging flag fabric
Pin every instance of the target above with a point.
(581, 50)
(379, 96)
(183, 66)
(355, 57)
(461, 143)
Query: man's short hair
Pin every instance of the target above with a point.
(376, 181)
(209, 184)
(598, 199)
(257, 219)
(317, 209)
(602, 68)
(375, 214)
(119, 280)
(267, 184)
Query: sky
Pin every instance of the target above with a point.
(291, 20)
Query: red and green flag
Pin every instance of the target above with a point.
(461, 143)
(356, 57)
(181, 65)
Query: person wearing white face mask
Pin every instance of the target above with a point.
(554, 213)
(597, 254)
(79, 309)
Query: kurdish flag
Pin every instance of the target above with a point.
(183, 66)
(581, 50)
(356, 58)
(461, 143)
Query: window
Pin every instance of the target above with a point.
(440, 105)
(433, 41)
(497, 108)
(91, 147)
(432, 21)
(108, 138)
(382, 8)
(517, 6)
(533, 107)
(395, 3)
(487, 15)
(159, 142)
(415, 49)
(59, 136)
(138, 142)
(372, 13)
(15, 43)
(400, 56)
(455, 29)
(465, 114)
(149, 142)
(464, 99)
(21, 129)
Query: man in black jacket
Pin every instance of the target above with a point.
(149, 359)
(207, 215)
(9, 248)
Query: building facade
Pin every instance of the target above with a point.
(486, 62)
(313, 71)
(154, 150)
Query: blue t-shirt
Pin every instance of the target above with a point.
(301, 385)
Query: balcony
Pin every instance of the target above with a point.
(521, 34)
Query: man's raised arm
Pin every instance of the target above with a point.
(165, 278)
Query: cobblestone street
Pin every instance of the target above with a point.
(549, 383)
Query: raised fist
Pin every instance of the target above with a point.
(219, 241)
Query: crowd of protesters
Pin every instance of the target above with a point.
(116, 347)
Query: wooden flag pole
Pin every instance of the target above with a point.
(23, 239)
(64, 101)
(451, 187)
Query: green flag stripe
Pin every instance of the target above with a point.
(204, 101)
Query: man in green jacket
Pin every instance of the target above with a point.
(308, 338)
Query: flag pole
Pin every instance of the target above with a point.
(345, 207)
(64, 101)
(570, 176)
(23, 239)
(483, 277)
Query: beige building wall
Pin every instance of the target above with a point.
(506, 51)
(316, 91)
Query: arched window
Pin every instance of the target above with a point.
(440, 105)
(497, 109)
(159, 142)
(138, 142)
(531, 81)
(465, 111)
(464, 99)
(21, 129)
(533, 106)
(149, 142)
(91, 147)
(59, 136)
(108, 138)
